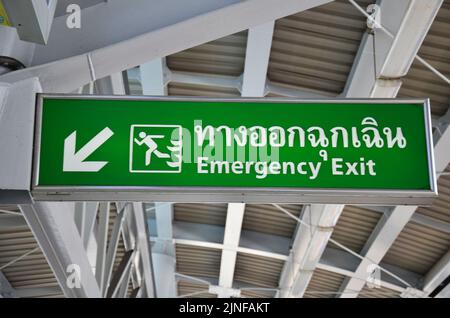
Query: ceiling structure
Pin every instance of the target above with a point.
(317, 49)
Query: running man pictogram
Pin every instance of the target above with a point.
(155, 149)
(152, 146)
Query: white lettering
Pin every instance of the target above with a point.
(314, 170)
(371, 166)
(237, 167)
(221, 166)
(274, 167)
(289, 165)
(300, 168)
(201, 164)
(351, 168)
(335, 165)
(261, 170)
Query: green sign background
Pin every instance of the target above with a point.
(401, 169)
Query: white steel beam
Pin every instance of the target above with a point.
(444, 293)
(233, 226)
(390, 226)
(85, 214)
(143, 246)
(102, 241)
(343, 263)
(382, 61)
(259, 43)
(417, 218)
(110, 85)
(380, 64)
(17, 104)
(153, 77)
(6, 290)
(121, 275)
(103, 59)
(58, 238)
(32, 19)
(163, 255)
(437, 274)
(112, 248)
(333, 260)
(277, 247)
(135, 293)
(99, 27)
(123, 291)
(13, 47)
(128, 232)
(251, 242)
(309, 244)
(381, 239)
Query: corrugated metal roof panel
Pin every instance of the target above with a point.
(182, 89)
(187, 288)
(9, 207)
(266, 218)
(214, 214)
(421, 82)
(224, 56)
(120, 251)
(50, 293)
(315, 49)
(31, 271)
(354, 227)
(324, 284)
(440, 210)
(198, 261)
(418, 248)
(257, 270)
(257, 294)
(378, 292)
(135, 86)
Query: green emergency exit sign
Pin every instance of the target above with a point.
(251, 150)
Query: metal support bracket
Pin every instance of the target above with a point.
(374, 21)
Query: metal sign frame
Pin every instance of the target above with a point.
(234, 194)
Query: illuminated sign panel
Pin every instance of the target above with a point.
(250, 150)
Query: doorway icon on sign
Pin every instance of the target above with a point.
(155, 148)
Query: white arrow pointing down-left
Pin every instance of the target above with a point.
(74, 161)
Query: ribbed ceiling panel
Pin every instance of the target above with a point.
(120, 251)
(315, 49)
(418, 248)
(257, 270)
(9, 207)
(181, 89)
(354, 227)
(257, 294)
(224, 56)
(198, 261)
(214, 214)
(31, 271)
(266, 218)
(421, 82)
(440, 210)
(194, 290)
(378, 292)
(323, 284)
